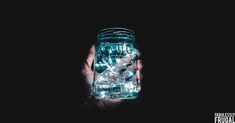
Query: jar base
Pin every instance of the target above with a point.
(127, 90)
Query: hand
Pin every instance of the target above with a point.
(88, 74)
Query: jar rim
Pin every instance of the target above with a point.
(116, 33)
(116, 28)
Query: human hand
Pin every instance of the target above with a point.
(88, 74)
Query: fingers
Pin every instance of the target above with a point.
(139, 74)
(139, 54)
(139, 85)
(139, 65)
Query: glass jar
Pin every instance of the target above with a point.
(115, 65)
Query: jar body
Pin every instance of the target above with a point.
(115, 65)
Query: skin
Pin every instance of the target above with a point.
(88, 74)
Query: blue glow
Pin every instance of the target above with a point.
(113, 77)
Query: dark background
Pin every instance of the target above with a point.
(186, 73)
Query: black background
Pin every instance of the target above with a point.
(186, 73)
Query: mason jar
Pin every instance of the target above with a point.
(115, 64)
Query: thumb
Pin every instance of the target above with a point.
(91, 56)
(88, 63)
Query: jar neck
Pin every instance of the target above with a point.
(116, 34)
